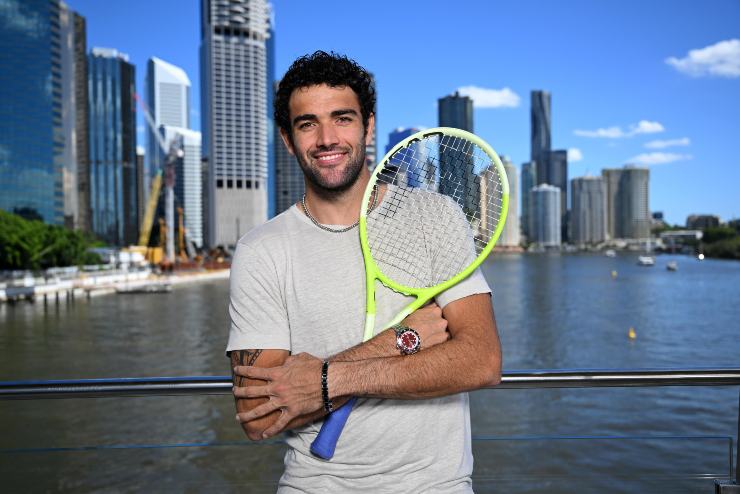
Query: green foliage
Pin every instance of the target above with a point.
(717, 233)
(728, 248)
(32, 244)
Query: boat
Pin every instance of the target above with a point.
(610, 253)
(672, 266)
(646, 261)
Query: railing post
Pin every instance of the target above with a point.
(732, 486)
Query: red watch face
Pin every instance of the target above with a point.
(409, 340)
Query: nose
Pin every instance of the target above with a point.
(327, 136)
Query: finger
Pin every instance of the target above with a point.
(250, 391)
(256, 412)
(280, 424)
(253, 372)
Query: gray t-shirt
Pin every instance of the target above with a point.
(299, 288)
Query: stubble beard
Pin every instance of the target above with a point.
(348, 176)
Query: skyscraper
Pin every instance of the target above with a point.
(627, 202)
(168, 99)
(545, 216)
(588, 210)
(289, 184)
(406, 159)
(511, 236)
(112, 119)
(76, 187)
(32, 138)
(558, 176)
(188, 180)
(456, 171)
(529, 172)
(234, 95)
(540, 134)
(272, 137)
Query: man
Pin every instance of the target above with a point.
(298, 298)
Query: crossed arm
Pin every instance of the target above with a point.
(276, 392)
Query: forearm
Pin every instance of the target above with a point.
(469, 360)
(455, 366)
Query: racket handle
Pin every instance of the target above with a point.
(326, 442)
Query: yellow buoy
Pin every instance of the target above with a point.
(632, 334)
(614, 274)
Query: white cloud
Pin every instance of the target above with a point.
(491, 98)
(658, 158)
(646, 127)
(684, 141)
(616, 132)
(574, 154)
(140, 129)
(720, 59)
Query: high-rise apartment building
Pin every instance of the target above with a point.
(75, 173)
(627, 202)
(112, 119)
(456, 171)
(188, 179)
(511, 235)
(588, 211)
(529, 175)
(540, 116)
(234, 112)
(289, 184)
(558, 176)
(545, 217)
(32, 133)
(273, 138)
(168, 99)
(407, 160)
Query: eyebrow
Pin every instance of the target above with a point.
(334, 114)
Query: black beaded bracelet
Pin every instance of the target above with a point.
(328, 405)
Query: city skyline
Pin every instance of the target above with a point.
(636, 97)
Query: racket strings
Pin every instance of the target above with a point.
(442, 205)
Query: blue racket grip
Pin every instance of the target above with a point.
(326, 442)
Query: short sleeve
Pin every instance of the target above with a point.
(472, 285)
(256, 307)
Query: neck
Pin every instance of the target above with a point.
(337, 208)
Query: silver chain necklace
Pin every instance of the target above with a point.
(341, 230)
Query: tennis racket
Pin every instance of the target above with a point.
(444, 198)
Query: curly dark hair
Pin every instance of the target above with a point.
(324, 68)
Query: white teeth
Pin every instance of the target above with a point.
(329, 157)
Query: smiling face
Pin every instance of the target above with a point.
(328, 137)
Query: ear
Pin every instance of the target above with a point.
(287, 141)
(370, 130)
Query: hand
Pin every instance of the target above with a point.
(294, 388)
(430, 325)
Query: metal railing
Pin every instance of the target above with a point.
(521, 379)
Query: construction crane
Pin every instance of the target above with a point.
(173, 153)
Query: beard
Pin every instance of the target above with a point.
(335, 185)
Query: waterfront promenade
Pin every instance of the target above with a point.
(554, 311)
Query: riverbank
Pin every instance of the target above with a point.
(90, 284)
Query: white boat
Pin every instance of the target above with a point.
(646, 261)
(672, 266)
(610, 253)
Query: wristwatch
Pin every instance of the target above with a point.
(408, 341)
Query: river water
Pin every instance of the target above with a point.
(553, 311)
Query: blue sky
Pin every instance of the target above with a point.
(648, 82)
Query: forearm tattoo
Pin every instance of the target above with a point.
(243, 357)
